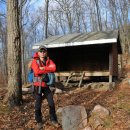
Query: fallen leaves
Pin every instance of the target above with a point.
(117, 101)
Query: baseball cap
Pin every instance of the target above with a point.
(42, 47)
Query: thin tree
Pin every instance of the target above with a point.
(14, 95)
(98, 14)
(46, 18)
(21, 5)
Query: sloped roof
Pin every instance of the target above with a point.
(77, 39)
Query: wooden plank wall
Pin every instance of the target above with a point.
(115, 59)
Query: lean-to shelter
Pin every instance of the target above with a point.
(89, 54)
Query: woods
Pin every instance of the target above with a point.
(55, 17)
(60, 17)
(23, 23)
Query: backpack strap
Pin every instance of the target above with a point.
(38, 79)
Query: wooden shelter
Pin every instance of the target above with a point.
(85, 54)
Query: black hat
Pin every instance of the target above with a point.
(42, 47)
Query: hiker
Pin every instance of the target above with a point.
(44, 66)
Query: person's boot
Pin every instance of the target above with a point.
(40, 126)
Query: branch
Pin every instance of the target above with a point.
(3, 1)
(2, 15)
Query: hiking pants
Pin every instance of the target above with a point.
(46, 92)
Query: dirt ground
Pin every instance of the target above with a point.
(117, 101)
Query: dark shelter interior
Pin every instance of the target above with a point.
(81, 58)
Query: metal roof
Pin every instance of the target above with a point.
(77, 39)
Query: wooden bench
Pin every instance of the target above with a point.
(81, 75)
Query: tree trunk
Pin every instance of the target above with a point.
(22, 3)
(46, 19)
(4, 58)
(14, 95)
(98, 15)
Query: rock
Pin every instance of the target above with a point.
(26, 90)
(87, 128)
(19, 128)
(100, 111)
(73, 117)
(102, 86)
(58, 91)
(59, 85)
(112, 85)
(95, 121)
(59, 115)
(70, 92)
(98, 115)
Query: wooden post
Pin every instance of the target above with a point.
(80, 82)
(110, 65)
(110, 78)
(68, 79)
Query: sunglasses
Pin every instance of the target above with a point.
(42, 51)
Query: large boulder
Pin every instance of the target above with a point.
(98, 116)
(100, 111)
(73, 117)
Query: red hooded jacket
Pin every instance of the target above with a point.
(50, 67)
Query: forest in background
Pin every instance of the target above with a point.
(59, 17)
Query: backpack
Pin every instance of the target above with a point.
(52, 79)
(30, 72)
(49, 77)
(30, 76)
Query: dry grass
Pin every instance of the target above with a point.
(3, 109)
(108, 122)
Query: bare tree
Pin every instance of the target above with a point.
(92, 15)
(21, 4)
(14, 95)
(113, 11)
(3, 48)
(98, 14)
(66, 8)
(46, 18)
(3, 54)
(57, 22)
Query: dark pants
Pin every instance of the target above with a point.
(38, 103)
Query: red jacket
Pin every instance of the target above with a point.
(50, 67)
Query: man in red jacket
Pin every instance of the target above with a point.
(42, 65)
